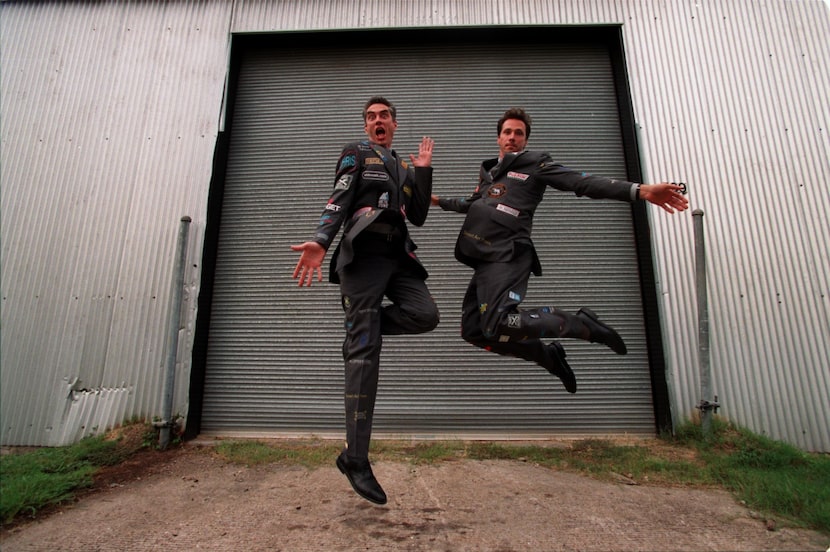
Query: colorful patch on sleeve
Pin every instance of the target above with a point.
(344, 182)
(347, 161)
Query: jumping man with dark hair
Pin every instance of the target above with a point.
(495, 240)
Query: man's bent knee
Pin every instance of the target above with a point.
(428, 320)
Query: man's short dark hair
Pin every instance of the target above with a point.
(515, 113)
(381, 100)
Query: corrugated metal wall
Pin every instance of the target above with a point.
(108, 118)
(110, 114)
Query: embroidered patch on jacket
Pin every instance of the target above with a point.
(332, 207)
(372, 161)
(517, 175)
(506, 209)
(344, 182)
(375, 175)
(514, 321)
(347, 161)
(497, 190)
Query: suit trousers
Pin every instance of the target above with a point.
(491, 317)
(377, 271)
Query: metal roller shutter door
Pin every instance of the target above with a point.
(274, 362)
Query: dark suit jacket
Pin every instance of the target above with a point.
(371, 186)
(500, 211)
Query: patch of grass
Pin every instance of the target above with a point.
(601, 459)
(311, 454)
(418, 453)
(47, 476)
(767, 475)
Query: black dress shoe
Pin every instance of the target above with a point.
(559, 367)
(602, 333)
(360, 475)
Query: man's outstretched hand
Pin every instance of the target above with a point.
(310, 261)
(667, 196)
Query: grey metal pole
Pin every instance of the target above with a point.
(173, 323)
(707, 403)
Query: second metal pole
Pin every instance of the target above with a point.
(707, 404)
(173, 324)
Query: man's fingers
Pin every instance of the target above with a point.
(305, 274)
(307, 277)
(426, 146)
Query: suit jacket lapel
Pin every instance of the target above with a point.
(508, 160)
(399, 170)
(502, 166)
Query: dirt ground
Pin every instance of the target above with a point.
(188, 498)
